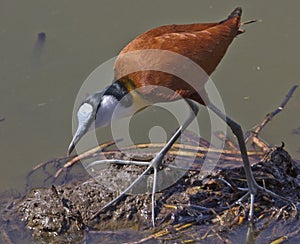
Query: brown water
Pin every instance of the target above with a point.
(39, 81)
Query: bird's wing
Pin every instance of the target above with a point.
(143, 61)
(205, 44)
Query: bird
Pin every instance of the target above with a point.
(203, 43)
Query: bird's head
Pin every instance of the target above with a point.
(86, 116)
(98, 108)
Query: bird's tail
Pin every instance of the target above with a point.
(237, 12)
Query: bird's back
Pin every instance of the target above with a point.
(205, 44)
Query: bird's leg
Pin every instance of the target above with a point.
(155, 163)
(157, 160)
(194, 111)
(252, 184)
(237, 131)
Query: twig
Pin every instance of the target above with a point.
(188, 151)
(227, 141)
(268, 118)
(81, 156)
(186, 147)
(164, 232)
(44, 164)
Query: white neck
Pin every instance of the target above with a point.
(107, 108)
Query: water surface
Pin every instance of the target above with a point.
(40, 78)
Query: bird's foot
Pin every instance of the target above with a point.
(154, 164)
(252, 195)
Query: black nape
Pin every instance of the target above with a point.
(120, 92)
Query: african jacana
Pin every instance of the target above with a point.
(205, 44)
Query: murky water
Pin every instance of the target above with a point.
(41, 77)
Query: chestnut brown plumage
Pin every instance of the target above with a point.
(205, 44)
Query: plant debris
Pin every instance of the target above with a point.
(194, 204)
